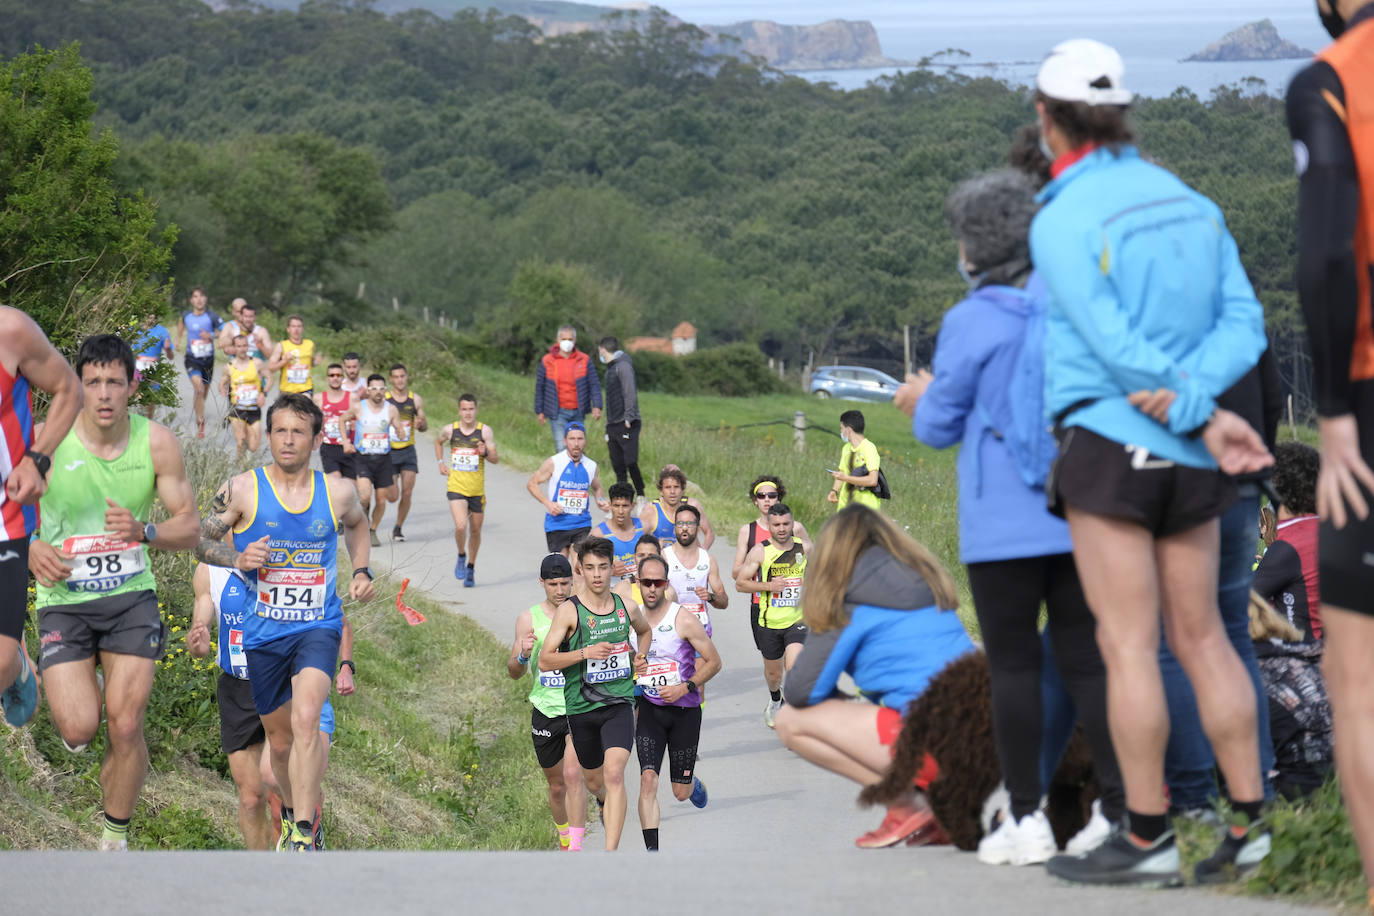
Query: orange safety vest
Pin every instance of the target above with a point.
(1352, 57)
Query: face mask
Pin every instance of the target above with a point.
(969, 278)
(603, 358)
(565, 345)
(1045, 148)
(1332, 21)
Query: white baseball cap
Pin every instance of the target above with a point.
(1072, 67)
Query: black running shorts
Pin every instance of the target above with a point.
(556, 541)
(403, 459)
(334, 458)
(14, 583)
(376, 468)
(593, 733)
(675, 729)
(240, 726)
(772, 643)
(548, 733)
(476, 504)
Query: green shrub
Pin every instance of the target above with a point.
(736, 370)
(659, 372)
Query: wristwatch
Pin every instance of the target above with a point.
(365, 570)
(349, 662)
(691, 686)
(41, 461)
(149, 532)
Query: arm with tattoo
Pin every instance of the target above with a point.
(218, 521)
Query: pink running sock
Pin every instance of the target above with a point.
(575, 835)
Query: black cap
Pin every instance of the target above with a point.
(555, 566)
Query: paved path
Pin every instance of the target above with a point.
(776, 836)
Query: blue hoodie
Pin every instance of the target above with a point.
(1000, 518)
(1146, 291)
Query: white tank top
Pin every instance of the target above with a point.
(373, 433)
(685, 580)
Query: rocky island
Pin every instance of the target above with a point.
(1255, 41)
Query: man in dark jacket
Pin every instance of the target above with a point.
(622, 416)
(566, 386)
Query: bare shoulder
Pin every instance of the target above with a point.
(166, 448)
(341, 490)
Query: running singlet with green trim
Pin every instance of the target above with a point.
(599, 682)
(779, 610)
(73, 518)
(672, 660)
(547, 693)
(297, 589)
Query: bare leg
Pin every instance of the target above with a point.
(617, 799)
(407, 484)
(128, 681)
(74, 700)
(199, 386)
(309, 689)
(474, 534)
(1349, 667)
(277, 724)
(240, 431)
(9, 661)
(772, 673)
(575, 791)
(254, 436)
(382, 498)
(648, 799)
(458, 508)
(558, 806)
(790, 655)
(245, 767)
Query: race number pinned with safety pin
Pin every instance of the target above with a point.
(101, 563)
(659, 675)
(612, 668)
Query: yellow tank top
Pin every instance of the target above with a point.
(467, 470)
(295, 375)
(244, 386)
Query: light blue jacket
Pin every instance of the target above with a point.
(1146, 291)
(1000, 518)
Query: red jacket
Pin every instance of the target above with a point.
(546, 382)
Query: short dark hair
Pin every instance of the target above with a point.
(657, 558)
(1027, 157)
(610, 344)
(1104, 125)
(375, 377)
(198, 289)
(338, 366)
(1295, 476)
(248, 308)
(779, 509)
(649, 539)
(854, 419)
(597, 547)
(401, 366)
(104, 349)
(351, 355)
(686, 507)
(620, 491)
(767, 478)
(467, 396)
(291, 318)
(300, 404)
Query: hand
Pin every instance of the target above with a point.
(603, 505)
(1154, 404)
(912, 391)
(443, 469)
(840, 476)
(46, 563)
(1235, 445)
(254, 556)
(641, 665)
(120, 522)
(773, 587)
(198, 640)
(360, 589)
(1343, 471)
(833, 496)
(620, 569)
(672, 694)
(627, 424)
(527, 644)
(482, 447)
(343, 681)
(348, 447)
(25, 484)
(702, 592)
(600, 650)
(554, 508)
(542, 419)
(596, 413)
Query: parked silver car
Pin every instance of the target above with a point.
(854, 383)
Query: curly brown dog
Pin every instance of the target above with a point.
(952, 721)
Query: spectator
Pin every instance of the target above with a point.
(622, 417)
(566, 386)
(857, 479)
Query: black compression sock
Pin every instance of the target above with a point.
(1251, 811)
(651, 839)
(1147, 827)
(775, 695)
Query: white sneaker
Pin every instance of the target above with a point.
(771, 712)
(1030, 842)
(1093, 834)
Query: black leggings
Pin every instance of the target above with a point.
(1007, 596)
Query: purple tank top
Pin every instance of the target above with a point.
(672, 660)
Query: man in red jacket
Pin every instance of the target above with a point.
(566, 386)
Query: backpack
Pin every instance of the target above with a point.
(1028, 435)
(881, 489)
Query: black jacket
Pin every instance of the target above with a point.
(1257, 398)
(622, 396)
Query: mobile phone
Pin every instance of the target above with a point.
(832, 471)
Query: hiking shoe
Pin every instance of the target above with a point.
(901, 822)
(119, 845)
(376, 541)
(770, 713)
(1236, 857)
(1119, 861)
(20, 699)
(470, 579)
(396, 534)
(1027, 842)
(299, 842)
(460, 569)
(1093, 834)
(698, 796)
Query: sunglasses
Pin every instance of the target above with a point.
(766, 495)
(336, 375)
(654, 583)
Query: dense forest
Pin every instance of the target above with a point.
(453, 163)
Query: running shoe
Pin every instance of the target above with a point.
(20, 699)
(376, 541)
(1029, 842)
(698, 796)
(1236, 857)
(299, 842)
(770, 713)
(901, 822)
(74, 750)
(1119, 861)
(285, 835)
(1093, 834)
(930, 835)
(600, 810)
(470, 579)
(119, 845)
(460, 568)
(318, 833)
(396, 534)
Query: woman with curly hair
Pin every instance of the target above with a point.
(878, 606)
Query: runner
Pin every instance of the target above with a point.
(658, 515)
(774, 571)
(284, 520)
(765, 491)
(374, 424)
(196, 329)
(681, 660)
(153, 345)
(623, 530)
(245, 323)
(563, 485)
(548, 713)
(692, 571)
(471, 445)
(96, 596)
(410, 408)
(242, 384)
(27, 360)
(646, 546)
(589, 641)
(336, 448)
(353, 382)
(294, 357)
(1328, 116)
(859, 463)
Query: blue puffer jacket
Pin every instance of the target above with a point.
(1000, 518)
(1146, 291)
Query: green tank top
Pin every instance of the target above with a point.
(547, 693)
(73, 518)
(778, 611)
(605, 681)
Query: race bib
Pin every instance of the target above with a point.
(238, 660)
(404, 432)
(612, 668)
(552, 679)
(374, 444)
(202, 349)
(790, 595)
(464, 459)
(331, 429)
(298, 374)
(700, 613)
(658, 676)
(572, 501)
(144, 363)
(290, 595)
(246, 395)
(101, 563)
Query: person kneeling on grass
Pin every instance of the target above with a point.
(877, 605)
